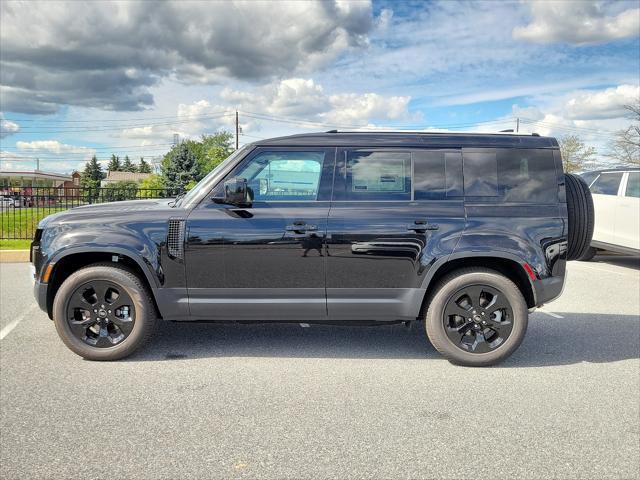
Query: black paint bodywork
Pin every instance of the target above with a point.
(360, 260)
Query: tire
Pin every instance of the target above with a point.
(132, 289)
(588, 255)
(449, 287)
(581, 216)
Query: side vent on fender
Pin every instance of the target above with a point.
(175, 239)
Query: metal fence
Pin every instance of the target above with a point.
(22, 208)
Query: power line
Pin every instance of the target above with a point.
(115, 147)
(45, 120)
(104, 128)
(260, 116)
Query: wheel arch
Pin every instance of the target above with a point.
(508, 265)
(71, 261)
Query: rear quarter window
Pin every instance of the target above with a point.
(511, 175)
(527, 176)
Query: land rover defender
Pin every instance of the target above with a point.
(463, 233)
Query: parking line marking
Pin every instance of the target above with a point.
(8, 328)
(551, 314)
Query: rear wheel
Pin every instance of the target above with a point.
(103, 312)
(476, 317)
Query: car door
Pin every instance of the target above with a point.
(605, 191)
(264, 261)
(627, 226)
(394, 213)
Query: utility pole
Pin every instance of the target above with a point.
(517, 124)
(237, 129)
(37, 164)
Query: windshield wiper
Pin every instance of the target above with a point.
(178, 198)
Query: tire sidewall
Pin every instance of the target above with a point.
(435, 319)
(122, 279)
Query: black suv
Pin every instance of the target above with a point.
(464, 232)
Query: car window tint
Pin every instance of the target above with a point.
(429, 175)
(378, 175)
(283, 175)
(633, 185)
(527, 175)
(607, 183)
(480, 174)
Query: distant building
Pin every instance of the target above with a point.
(113, 177)
(22, 181)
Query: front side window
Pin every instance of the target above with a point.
(378, 175)
(633, 185)
(283, 175)
(607, 184)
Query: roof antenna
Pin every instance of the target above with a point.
(508, 130)
(331, 131)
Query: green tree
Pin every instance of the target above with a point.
(144, 166)
(92, 174)
(180, 166)
(575, 154)
(153, 187)
(128, 165)
(213, 150)
(114, 164)
(90, 179)
(125, 190)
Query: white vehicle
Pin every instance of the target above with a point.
(6, 202)
(616, 200)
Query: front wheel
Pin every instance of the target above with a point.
(477, 317)
(103, 312)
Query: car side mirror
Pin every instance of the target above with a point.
(236, 192)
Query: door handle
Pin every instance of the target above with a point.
(421, 226)
(301, 228)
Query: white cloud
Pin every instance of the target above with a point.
(53, 147)
(108, 54)
(304, 99)
(7, 127)
(578, 23)
(602, 104)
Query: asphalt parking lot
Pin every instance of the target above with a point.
(282, 401)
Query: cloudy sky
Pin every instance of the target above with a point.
(124, 77)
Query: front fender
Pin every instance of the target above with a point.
(143, 246)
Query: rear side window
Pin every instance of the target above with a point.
(633, 185)
(437, 174)
(480, 173)
(378, 175)
(527, 175)
(607, 183)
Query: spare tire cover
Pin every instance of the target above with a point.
(580, 215)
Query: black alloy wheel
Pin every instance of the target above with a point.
(100, 313)
(478, 318)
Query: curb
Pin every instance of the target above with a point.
(14, 256)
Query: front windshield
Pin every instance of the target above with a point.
(204, 184)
